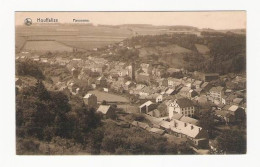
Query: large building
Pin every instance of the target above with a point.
(182, 106)
(216, 95)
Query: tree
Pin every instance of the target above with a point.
(206, 121)
(104, 102)
(232, 142)
(184, 148)
(41, 92)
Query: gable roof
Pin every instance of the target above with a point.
(148, 103)
(233, 108)
(169, 91)
(217, 89)
(189, 120)
(238, 100)
(185, 128)
(103, 109)
(224, 113)
(177, 116)
(204, 84)
(184, 102)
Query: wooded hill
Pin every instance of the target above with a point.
(226, 51)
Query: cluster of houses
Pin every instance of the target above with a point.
(182, 97)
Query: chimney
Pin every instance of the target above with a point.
(191, 127)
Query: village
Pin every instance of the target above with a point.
(171, 100)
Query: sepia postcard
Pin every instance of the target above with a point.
(130, 83)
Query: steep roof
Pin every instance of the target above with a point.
(217, 89)
(184, 102)
(185, 89)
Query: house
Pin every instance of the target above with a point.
(187, 92)
(143, 77)
(210, 77)
(225, 115)
(196, 135)
(238, 112)
(90, 100)
(197, 84)
(101, 81)
(146, 68)
(147, 107)
(216, 94)
(106, 110)
(182, 106)
(159, 99)
(238, 101)
(206, 87)
(105, 89)
(170, 91)
(158, 72)
(184, 118)
(128, 85)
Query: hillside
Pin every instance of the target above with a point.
(212, 52)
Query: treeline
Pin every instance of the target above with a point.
(183, 40)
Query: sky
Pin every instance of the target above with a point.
(215, 20)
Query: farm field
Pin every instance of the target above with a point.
(159, 50)
(203, 49)
(109, 97)
(84, 37)
(46, 46)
